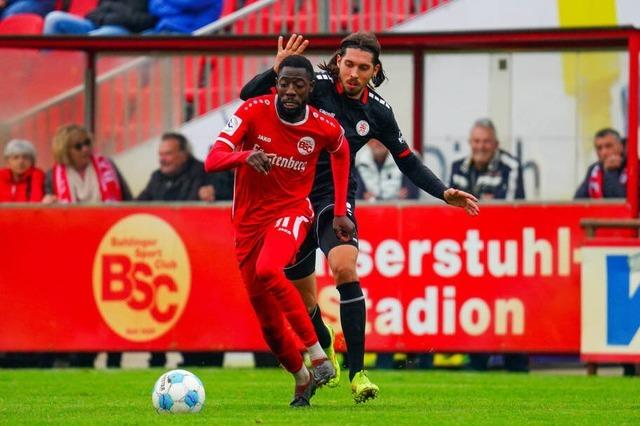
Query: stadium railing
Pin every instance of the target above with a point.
(202, 82)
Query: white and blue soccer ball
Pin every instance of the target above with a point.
(178, 391)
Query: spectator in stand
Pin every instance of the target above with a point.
(181, 177)
(15, 7)
(79, 175)
(183, 16)
(490, 173)
(380, 177)
(109, 18)
(21, 181)
(607, 177)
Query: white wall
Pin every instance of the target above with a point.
(468, 15)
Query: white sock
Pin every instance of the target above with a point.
(316, 352)
(302, 376)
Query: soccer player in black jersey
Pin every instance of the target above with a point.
(344, 89)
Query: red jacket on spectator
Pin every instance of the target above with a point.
(28, 189)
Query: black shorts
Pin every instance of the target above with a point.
(320, 235)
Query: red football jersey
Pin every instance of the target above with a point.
(293, 149)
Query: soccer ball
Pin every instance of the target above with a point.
(178, 391)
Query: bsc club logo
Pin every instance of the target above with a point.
(306, 145)
(141, 277)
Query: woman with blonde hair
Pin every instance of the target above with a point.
(80, 175)
(21, 181)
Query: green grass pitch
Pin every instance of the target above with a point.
(261, 396)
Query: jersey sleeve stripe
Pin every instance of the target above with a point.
(404, 153)
(339, 145)
(226, 141)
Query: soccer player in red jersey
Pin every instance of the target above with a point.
(274, 142)
(345, 89)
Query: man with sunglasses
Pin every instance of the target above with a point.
(344, 90)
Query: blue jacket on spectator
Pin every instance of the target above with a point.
(502, 180)
(184, 16)
(16, 7)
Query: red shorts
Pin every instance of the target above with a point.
(294, 224)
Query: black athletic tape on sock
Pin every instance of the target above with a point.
(350, 292)
(321, 330)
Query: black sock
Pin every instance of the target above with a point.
(353, 319)
(321, 330)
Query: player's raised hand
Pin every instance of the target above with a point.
(458, 198)
(295, 46)
(344, 228)
(259, 161)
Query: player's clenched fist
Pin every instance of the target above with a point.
(259, 161)
(344, 228)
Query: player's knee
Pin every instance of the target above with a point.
(344, 272)
(266, 273)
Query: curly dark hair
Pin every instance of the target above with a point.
(366, 41)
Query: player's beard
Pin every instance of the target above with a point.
(290, 114)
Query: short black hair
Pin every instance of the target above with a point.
(606, 132)
(298, 61)
(183, 143)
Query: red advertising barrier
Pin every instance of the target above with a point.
(165, 278)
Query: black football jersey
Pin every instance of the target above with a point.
(369, 117)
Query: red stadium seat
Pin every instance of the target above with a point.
(24, 23)
(82, 7)
(228, 7)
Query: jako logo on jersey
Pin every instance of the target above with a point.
(362, 128)
(306, 145)
(264, 138)
(232, 125)
(623, 298)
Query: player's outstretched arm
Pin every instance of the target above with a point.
(458, 198)
(340, 165)
(421, 176)
(262, 83)
(222, 157)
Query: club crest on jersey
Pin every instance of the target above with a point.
(232, 125)
(362, 128)
(306, 145)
